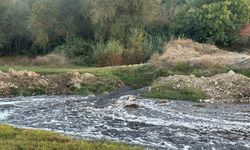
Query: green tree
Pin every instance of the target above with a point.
(14, 34)
(213, 21)
(52, 22)
(117, 18)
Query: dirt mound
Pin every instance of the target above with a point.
(24, 83)
(195, 53)
(228, 87)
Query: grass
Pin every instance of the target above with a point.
(136, 75)
(106, 85)
(168, 92)
(140, 76)
(55, 70)
(21, 139)
(182, 68)
(243, 72)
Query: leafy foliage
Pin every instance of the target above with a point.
(78, 50)
(13, 27)
(213, 21)
(110, 54)
(141, 27)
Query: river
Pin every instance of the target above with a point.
(155, 125)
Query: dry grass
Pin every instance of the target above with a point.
(196, 54)
(154, 59)
(17, 60)
(58, 60)
(51, 60)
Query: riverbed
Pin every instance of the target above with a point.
(154, 125)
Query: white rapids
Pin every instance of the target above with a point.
(171, 125)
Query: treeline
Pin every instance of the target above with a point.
(112, 32)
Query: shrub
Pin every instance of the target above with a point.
(79, 51)
(110, 54)
(137, 51)
(51, 60)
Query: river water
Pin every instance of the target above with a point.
(155, 125)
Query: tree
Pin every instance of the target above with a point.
(213, 21)
(14, 34)
(118, 18)
(52, 22)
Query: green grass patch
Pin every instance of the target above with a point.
(99, 87)
(182, 68)
(20, 139)
(244, 72)
(140, 76)
(168, 92)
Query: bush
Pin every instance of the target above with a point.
(137, 51)
(79, 51)
(51, 60)
(110, 54)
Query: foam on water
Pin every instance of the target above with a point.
(174, 125)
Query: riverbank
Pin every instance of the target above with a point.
(201, 72)
(41, 80)
(222, 88)
(13, 138)
(186, 71)
(74, 81)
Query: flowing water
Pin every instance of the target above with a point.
(155, 125)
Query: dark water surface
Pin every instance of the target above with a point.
(173, 125)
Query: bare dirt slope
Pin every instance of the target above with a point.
(14, 82)
(227, 87)
(195, 53)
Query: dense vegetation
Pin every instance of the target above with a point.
(17, 139)
(114, 32)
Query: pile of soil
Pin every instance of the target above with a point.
(228, 87)
(12, 82)
(195, 53)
